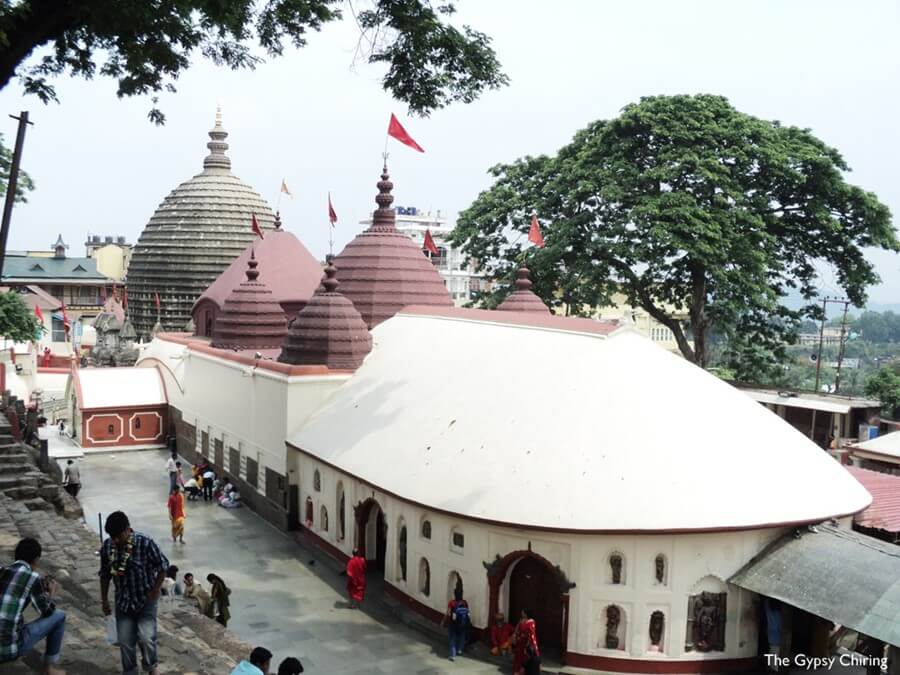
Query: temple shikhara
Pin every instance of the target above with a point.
(567, 465)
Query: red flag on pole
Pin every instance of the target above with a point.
(396, 130)
(156, 298)
(429, 243)
(332, 216)
(534, 234)
(254, 224)
(39, 314)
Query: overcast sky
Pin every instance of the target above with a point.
(319, 123)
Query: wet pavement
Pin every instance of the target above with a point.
(284, 597)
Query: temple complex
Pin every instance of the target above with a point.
(195, 233)
(508, 452)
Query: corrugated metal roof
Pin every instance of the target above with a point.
(884, 512)
(839, 575)
(889, 444)
(33, 267)
(836, 404)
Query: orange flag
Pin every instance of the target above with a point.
(254, 224)
(429, 243)
(534, 234)
(396, 130)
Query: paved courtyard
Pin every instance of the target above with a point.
(279, 600)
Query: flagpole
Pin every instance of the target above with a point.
(278, 200)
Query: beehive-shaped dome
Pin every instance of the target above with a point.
(383, 270)
(328, 331)
(192, 237)
(523, 299)
(251, 318)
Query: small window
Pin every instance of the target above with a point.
(309, 512)
(137, 422)
(424, 577)
(341, 506)
(323, 519)
(457, 539)
(317, 481)
(109, 430)
(426, 529)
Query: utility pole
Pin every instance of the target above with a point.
(821, 338)
(837, 379)
(12, 183)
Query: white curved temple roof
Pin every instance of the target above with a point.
(542, 428)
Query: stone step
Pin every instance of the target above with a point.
(15, 469)
(7, 481)
(15, 458)
(38, 504)
(22, 492)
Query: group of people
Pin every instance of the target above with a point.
(138, 571)
(214, 603)
(261, 660)
(203, 481)
(520, 641)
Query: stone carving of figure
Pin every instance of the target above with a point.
(708, 611)
(613, 616)
(615, 564)
(660, 569)
(657, 624)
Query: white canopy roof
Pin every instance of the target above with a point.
(118, 387)
(560, 430)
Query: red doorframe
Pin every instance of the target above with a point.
(497, 574)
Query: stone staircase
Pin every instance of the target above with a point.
(21, 478)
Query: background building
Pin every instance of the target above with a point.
(111, 253)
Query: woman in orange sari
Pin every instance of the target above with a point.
(526, 655)
(356, 579)
(176, 514)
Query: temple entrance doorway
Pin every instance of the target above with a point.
(371, 535)
(533, 585)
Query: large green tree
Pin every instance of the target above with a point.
(687, 206)
(884, 385)
(17, 322)
(147, 44)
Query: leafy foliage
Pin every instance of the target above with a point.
(687, 206)
(25, 184)
(885, 386)
(17, 322)
(146, 45)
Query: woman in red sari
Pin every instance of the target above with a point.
(356, 579)
(526, 655)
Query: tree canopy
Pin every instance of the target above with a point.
(686, 206)
(884, 385)
(146, 45)
(17, 322)
(24, 183)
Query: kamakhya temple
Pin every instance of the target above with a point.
(557, 463)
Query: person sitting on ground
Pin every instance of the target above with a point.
(501, 635)
(260, 660)
(193, 589)
(231, 498)
(19, 586)
(290, 666)
(219, 486)
(192, 488)
(170, 583)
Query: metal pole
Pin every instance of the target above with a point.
(837, 380)
(12, 183)
(821, 338)
(100, 527)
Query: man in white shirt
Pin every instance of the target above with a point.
(172, 468)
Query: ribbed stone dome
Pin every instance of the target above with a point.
(383, 270)
(196, 232)
(329, 331)
(251, 318)
(523, 299)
